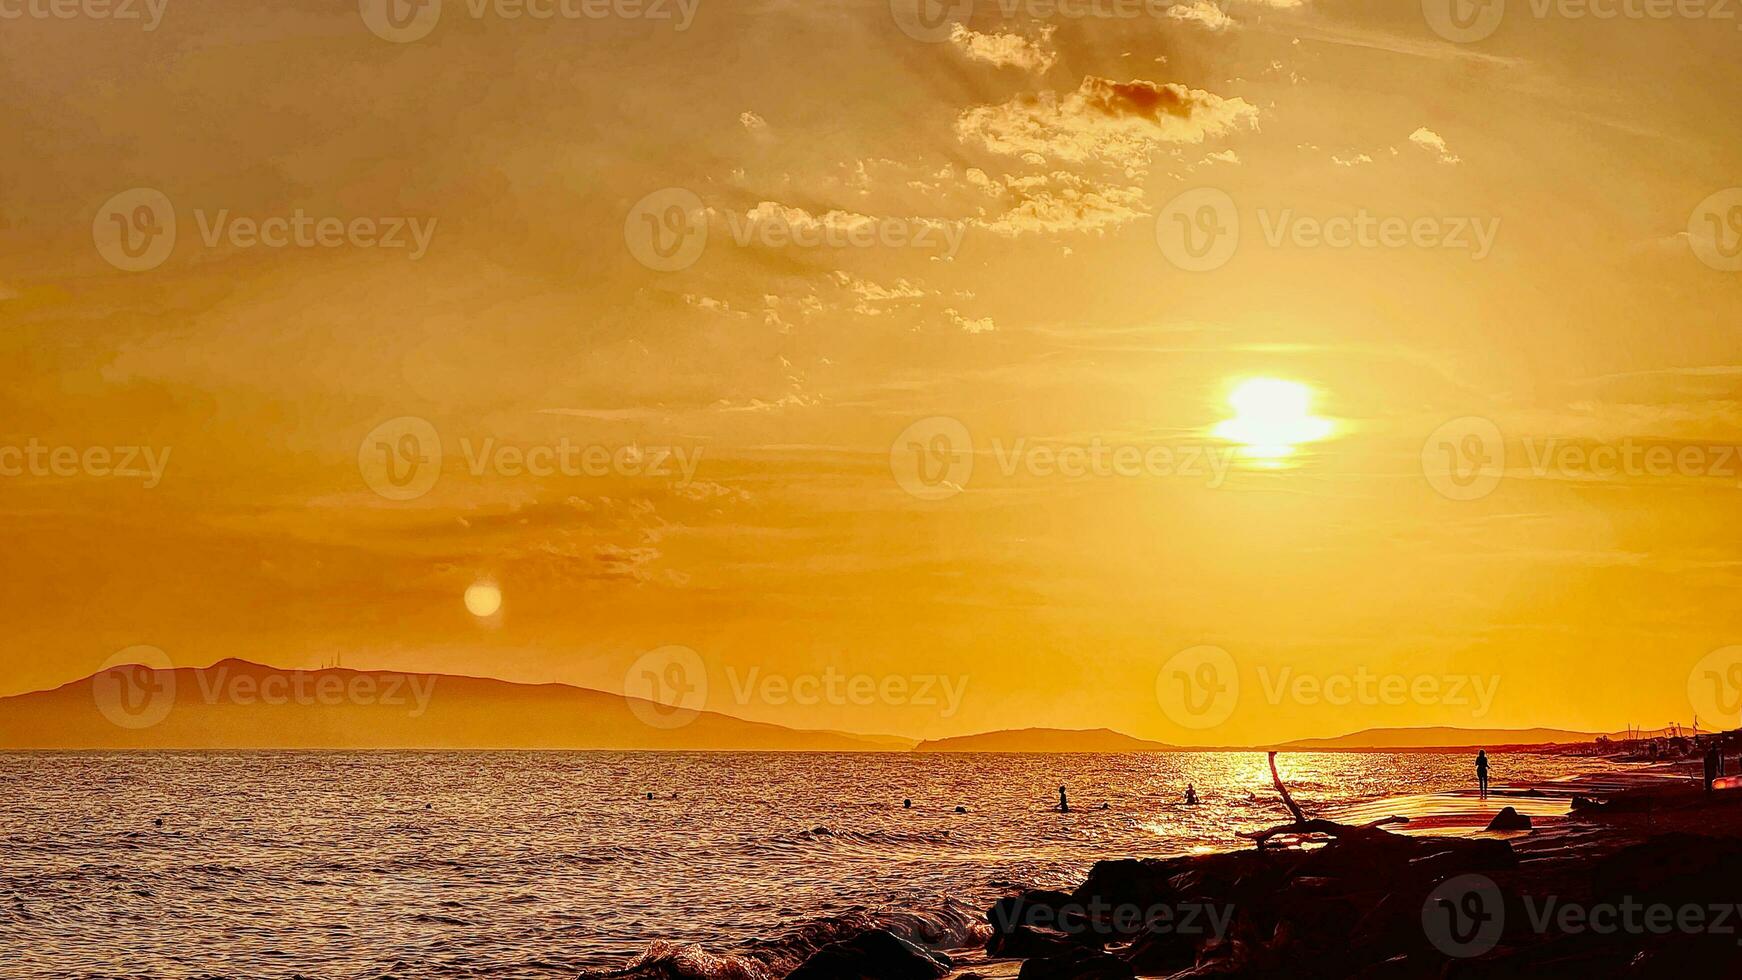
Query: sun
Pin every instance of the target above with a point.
(483, 599)
(1271, 418)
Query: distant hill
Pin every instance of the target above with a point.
(1045, 740)
(236, 704)
(240, 705)
(1436, 738)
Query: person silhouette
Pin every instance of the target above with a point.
(1482, 773)
(1191, 795)
(1064, 805)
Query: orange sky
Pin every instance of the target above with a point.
(985, 222)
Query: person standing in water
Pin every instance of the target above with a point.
(1482, 773)
(1064, 805)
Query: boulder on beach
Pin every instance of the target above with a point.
(1164, 952)
(873, 955)
(1023, 942)
(1037, 908)
(1509, 819)
(1129, 883)
(1447, 856)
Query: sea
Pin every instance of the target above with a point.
(725, 866)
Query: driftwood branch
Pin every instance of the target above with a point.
(1287, 800)
(1303, 826)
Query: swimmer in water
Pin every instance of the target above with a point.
(1191, 795)
(1064, 804)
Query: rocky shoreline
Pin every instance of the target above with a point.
(1641, 881)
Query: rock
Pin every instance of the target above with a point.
(1163, 953)
(1129, 885)
(1023, 942)
(1509, 819)
(874, 955)
(1367, 856)
(1448, 856)
(1038, 908)
(1078, 964)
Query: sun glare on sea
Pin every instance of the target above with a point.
(483, 599)
(1271, 418)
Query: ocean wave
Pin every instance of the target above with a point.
(951, 925)
(829, 835)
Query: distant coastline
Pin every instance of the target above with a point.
(238, 704)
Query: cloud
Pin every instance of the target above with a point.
(1205, 13)
(1358, 160)
(1119, 123)
(713, 305)
(1434, 143)
(981, 325)
(1060, 202)
(753, 122)
(1007, 50)
(837, 227)
(1213, 14)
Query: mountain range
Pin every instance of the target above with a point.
(236, 704)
